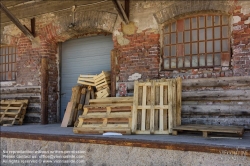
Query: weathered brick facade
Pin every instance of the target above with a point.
(139, 42)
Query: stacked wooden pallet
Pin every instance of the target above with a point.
(80, 97)
(101, 82)
(106, 115)
(12, 112)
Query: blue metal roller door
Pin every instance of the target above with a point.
(89, 55)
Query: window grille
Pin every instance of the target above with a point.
(195, 42)
(8, 55)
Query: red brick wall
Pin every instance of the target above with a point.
(241, 44)
(141, 55)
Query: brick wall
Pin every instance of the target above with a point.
(141, 55)
(140, 51)
(241, 42)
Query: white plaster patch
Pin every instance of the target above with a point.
(245, 10)
(30, 83)
(134, 77)
(116, 33)
(247, 21)
(236, 19)
(237, 27)
(121, 40)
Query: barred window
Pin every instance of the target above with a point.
(195, 42)
(8, 55)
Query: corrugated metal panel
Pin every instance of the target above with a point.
(89, 55)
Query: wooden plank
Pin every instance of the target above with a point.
(174, 90)
(108, 105)
(165, 112)
(104, 115)
(217, 82)
(72, 114)
(161, 119)
(216, 109)
(113, 72)
(170, 99)
(87, 98)
(85, 83)
(148, 102)
(143, 117)
(101, 130)
(152, 110)
(157, 104)
(87, 76)
(216, 95)
(67, 114)
(92, 93)
(112, 100)
(90, 80)
(178, 101)
(134, 111)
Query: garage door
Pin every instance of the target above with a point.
(89, 55)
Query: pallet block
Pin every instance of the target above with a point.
(206, 129)
(103, 93)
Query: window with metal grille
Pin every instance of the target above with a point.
(195, 42)
(8, 56)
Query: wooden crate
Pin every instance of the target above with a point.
(12, 112)
(206, 129)
(156, 107)
(106, 115)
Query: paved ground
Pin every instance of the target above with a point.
(55, 129)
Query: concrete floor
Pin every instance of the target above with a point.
(187, 138)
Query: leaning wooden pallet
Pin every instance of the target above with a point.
(155, 106)
(12, 111)
(106, 115)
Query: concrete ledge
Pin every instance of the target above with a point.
(129, 142)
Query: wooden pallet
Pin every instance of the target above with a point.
(155, 106)
(206, 129)
(86, 80)
(102, 77)
(106, 115)
(12, 112)
(102, 81)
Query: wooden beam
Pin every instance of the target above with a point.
(127, 7)
(16, 22)
(44, 90)
(120, 11)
